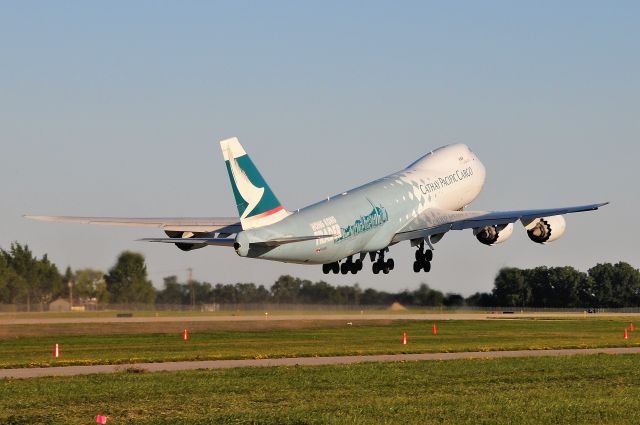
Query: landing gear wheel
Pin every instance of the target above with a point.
(335, 267)
(419, 256)
(326, 268)
(344, 268)
(375, 268)
(417, 266)
(385, 270)
(358, 265)
(390, 264)
(427, 266)
(428, 255)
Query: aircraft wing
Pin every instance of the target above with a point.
(194, 224)
(435, 221)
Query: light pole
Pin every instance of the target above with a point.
(70, 283)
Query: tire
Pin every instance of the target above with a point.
(385, 270)
(427, 267)
(354, 269)
(335, 267)
(358, 264)
(344, 269)
(419, 255)
(390, 264)
(428, 255)
(417, 266)
(326, 268)
(375, 268)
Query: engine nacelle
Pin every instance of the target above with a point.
(495, 234)
(186, 235)
(546, 229)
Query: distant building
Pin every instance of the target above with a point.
(60, 305)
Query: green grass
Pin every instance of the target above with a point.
(596, 389)
(110, 344)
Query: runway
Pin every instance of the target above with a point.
(299, 361)
(9, 320)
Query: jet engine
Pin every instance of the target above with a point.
(186, 235)
(546, 229)
(494, 234)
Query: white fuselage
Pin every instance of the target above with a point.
(365, 219)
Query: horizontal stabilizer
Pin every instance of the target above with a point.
(193, 241)
(229, 242)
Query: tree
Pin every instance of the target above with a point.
(285, 289)
(425, 296)
(565, 282)
(7, 277)
(89, 284)
(453, 300)
(603, 277)
(481, 299)
(32, 280)
(127, 280)
(615, 285)
(509, 288)
(173, 292)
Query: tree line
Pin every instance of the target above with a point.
(292, 290)
(602, 286)
(26, 279)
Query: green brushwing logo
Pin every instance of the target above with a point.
(377, 217)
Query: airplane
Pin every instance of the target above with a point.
(419, 204)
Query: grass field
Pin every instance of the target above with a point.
(597, 389)
(80, 344)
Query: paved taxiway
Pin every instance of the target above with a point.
(301, 361)
(349, 317)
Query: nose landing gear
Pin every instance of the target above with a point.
(423, 259)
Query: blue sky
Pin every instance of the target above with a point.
(116, 109)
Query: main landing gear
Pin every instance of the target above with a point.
(381, 265)
(348, 266)
(354, 266)
(423, 259)
(331, 267)
(423, 262)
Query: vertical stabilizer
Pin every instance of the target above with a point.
(256, 202)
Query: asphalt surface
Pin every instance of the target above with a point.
(301, 361)
(10, 320)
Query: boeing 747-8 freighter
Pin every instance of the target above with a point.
(419, 203)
